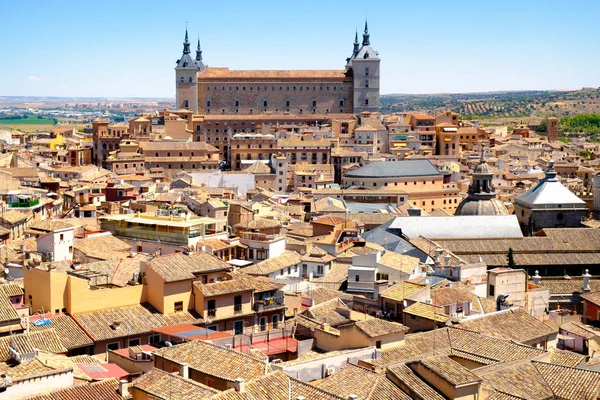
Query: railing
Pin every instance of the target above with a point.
(237, 308)
(362, 286)
(24, 204)
(268, 303)
(212, 312)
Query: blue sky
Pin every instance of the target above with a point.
(129, 48)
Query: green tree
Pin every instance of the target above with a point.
(511, 258)
(543, 127)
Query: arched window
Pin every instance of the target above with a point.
(104, 146)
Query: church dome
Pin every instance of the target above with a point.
(474, 206)
(481, 199)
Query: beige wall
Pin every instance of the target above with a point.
(48, 289)
(462, 393)
(223, 304)
(80, 298)
(352, 338)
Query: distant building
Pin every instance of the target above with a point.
(549, 205)
(209, 90)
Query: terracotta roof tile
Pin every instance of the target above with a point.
(364, 383)
(179, 266)
(201, 356)
(70, 334)
(101, 390)
(159, 384)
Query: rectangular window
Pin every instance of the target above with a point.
(154, 339)
(134, 342)
(178, 306)
(113, 346)
(357, 278)
(491, 290)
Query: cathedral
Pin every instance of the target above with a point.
(222, 91)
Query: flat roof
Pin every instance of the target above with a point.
(395, 169)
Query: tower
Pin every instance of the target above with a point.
(552, 129)
(365, 68)
(186, 77)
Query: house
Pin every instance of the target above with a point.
(209, 364)
(158, 384)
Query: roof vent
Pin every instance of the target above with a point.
(116, 325)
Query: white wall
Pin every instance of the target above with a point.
(40, 384)
(51, 242)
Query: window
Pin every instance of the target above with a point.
(154, 339)
(263, 324)
(275, 321)
(314, 103)
(113, 346)
(491, 290)
(320, 269)
(178, 306)
(341, 103)
(367, 71)
(237, 304)
(62, 237)
(186, 104)
(265, 103)
(236, 103)
(134, 342)
(287, 103)
(366, 83)
(356, 278)
(366, 102)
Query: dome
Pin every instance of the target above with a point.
(482, 168)
(474, 206)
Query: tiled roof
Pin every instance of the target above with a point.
(412, 384)
(321, 294)
(101, 247)
(226, 73)
(364, 383)
(12, 289)
(277, 386)
(8, 314)
(234, 283)
(402, 290)
(593, 297)
(259, 223)
(202, 356)
(134, 320)
(25, 343)
(399, 262)
(101, 390)
(585, 331)
(286, 259)
(178, 266)
(427, 311)
(28, 368)
(445, 340)
(49, 225)
(13, 216)
(159, 384)
(445, 296)
(326, 312)
(450, 370)
(375, 327)
(566, 358)
(70, 334)
(515, 323)
(337, 274)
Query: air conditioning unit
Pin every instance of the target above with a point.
(228, 346)
(330, 371)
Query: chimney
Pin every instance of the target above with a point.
(377, 355)
(123, 385)
(352, 397)
(239, 385)
(300, 398)
(537, 279)
(586, 281)
(184, 370)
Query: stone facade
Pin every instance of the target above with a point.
(222, 91)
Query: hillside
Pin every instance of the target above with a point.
(498, 104)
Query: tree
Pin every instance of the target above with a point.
(511, 258)
(542, 127)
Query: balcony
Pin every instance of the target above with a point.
(24, 204)
(237, 308)
(212, 313)
(361, 286)
(268, 303)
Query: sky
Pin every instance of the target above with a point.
(129, 48)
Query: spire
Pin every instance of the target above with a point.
(356, 49)
(186, 43)
(198, 51)
(366, 35)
